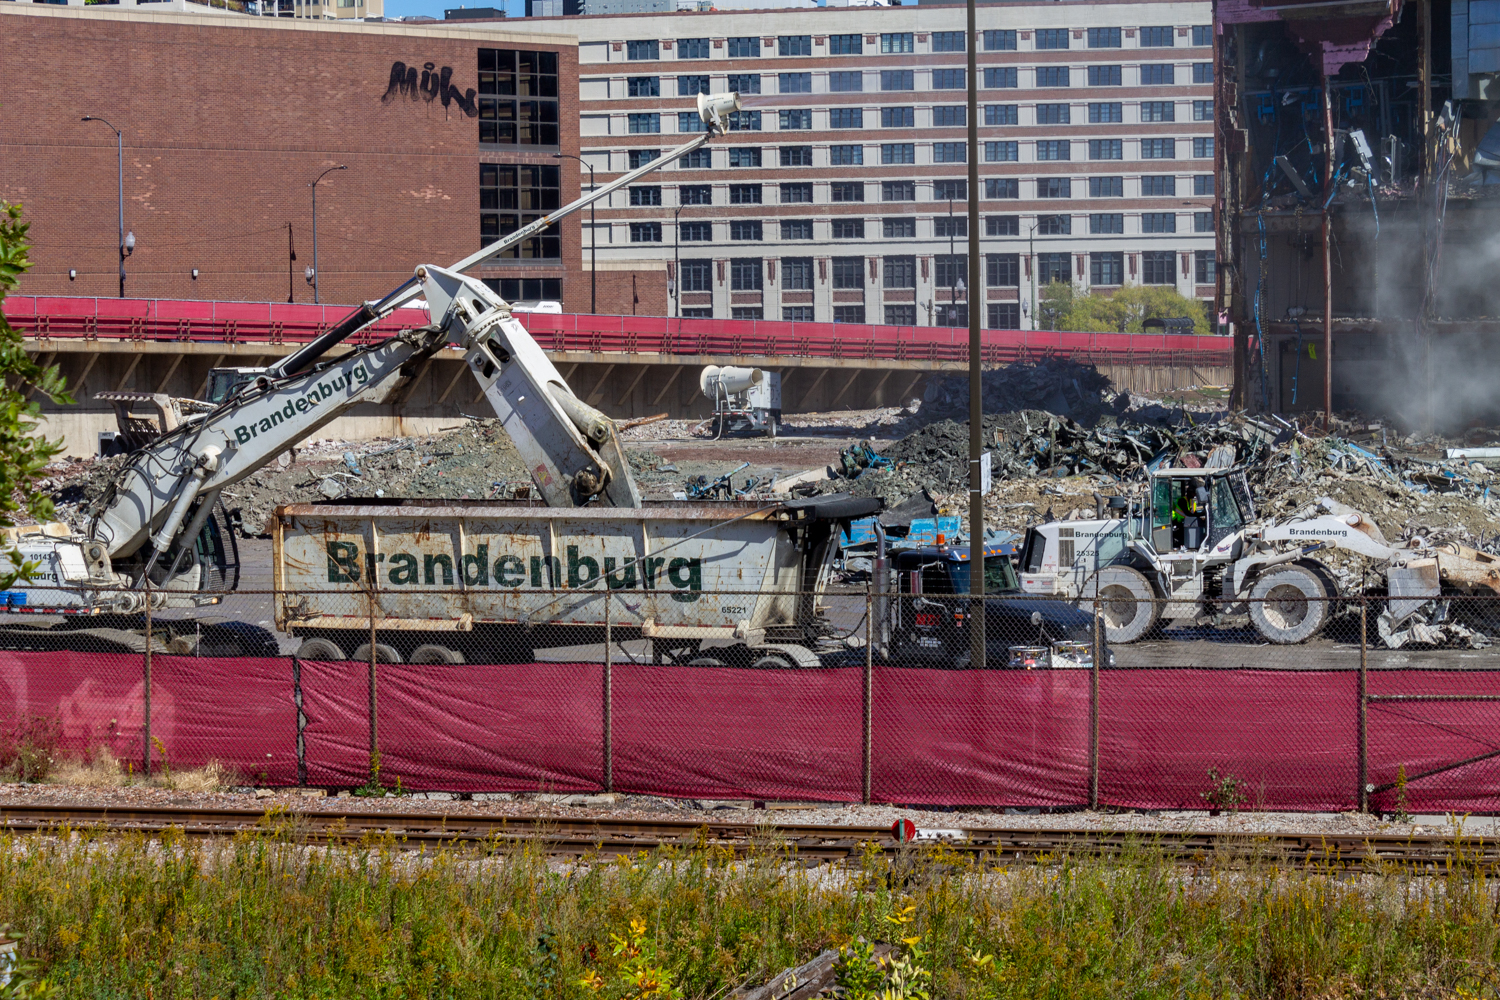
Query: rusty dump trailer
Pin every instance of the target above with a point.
(491, 582)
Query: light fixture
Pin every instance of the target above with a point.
(129, 243)
(308, 273)
(195, 274)
(72, 274)
(713, 108)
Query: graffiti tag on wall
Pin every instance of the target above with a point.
(430, 85)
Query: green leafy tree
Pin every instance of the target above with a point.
(1123, 311)
(1055, 305)
(23, 452)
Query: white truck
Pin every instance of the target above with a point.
(1192, 549)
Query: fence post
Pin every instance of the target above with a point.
(869, 693)
(301, 720)
(146, 688)
(374, 734)
(609, 699)
(1095, 661)
(1364, 695)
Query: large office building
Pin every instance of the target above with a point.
(841, 192)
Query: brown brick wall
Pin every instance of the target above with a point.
(224, 128)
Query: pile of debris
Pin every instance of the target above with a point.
(1057, 385)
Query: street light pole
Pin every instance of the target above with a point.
(314, 186)
(677, 260)
(1035, 277)
(978, 629)
(952, 270)
(593, 236)
(126, 246)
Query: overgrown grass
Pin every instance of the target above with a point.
(263, 916)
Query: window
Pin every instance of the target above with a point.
(897, 79)
(848, 272)
(1203, 35)
(900, 272)
(846, 117)
(847, 191)
(1104, 38)
(1053, 114)
(1000, 114)
(951, 227)
(796, 194)
(517, 103)
(796, 229)
(797, 274)
(690, 312)
(1158, 222)
(641, 157)
(1052, 38)
(1203, 267)
(901, 228)
(794, 45)
(950, 190)
(949, 152)
(744, 121)
(645, 232)
(1001, 77)
(644, 195)
(1002, 187)
(1054, 267)
(1104, 76)
(1106, 269)
(1054, 225)
(1158, 149)
(948, 41)
(898, 152)
(744, 194)
(794, 83)
(1000, 41)
(701, 231)
(1004, 316)
(644, 122)
(796, 156)
(796, 118)
(697, 276)
(745, 83)
(517, 289)
(1203, 72)
(897, 42)
(1006, 151)
(1106, 149)
(1157, 186)
(1156, 37)
(949, 116)
(1100, 114)
(1203, 222)
(698, 159)
(1053, 149)
(898, 190)
(745, 229)
(692, 48)
(848, 229)
(1106, 224)
(744, 156)
(688, 121)
(747, 312)
(1054, 187)
(744, 48)
(898, 117)
(1203, 184)
(1203, 111)
(796, 314)
(1106, 187)
(512, 196)
(745, 274)
(1203, 147)
(846, 82)
(1052, 76)
(898, 315)
(1002, 270)
(1158, 111)
(691, 86)
(846, 45)
(1156, 74)
(949, 269)
(646, 48)
(1002, 225)
(848, 314)
(643, 86)
(846, 156)
(1157, 267)
(949, 79)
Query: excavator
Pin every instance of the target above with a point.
(160, 539)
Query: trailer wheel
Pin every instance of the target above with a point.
(1127, 602)
(319, 649)
(383, 653)
(772, 661)
(430, 653)
(1289, 604)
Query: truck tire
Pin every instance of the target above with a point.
(1288, 604)
(319, 649)
(431, 653)
(1127, 602)
(383, 653)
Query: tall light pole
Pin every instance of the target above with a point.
(314, 186)
(677, 258)
(977, 626)
(127, 243)
(1035, 268)
(593, 235)
(952, 271)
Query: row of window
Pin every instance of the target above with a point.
(949, 189)
(904, 42)
(955, 115)
(897, 80)
(905, 227)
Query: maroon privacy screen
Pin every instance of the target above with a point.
(1289, 739)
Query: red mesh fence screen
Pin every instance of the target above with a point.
(335, 704)
(238, 711)
(1427, 738)
(92, 699)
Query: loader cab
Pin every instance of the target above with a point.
(1192, 510)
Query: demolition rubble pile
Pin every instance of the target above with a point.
(1056, 385)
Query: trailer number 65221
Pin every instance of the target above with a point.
(733, 610)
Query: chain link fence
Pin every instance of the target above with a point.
(838, 696)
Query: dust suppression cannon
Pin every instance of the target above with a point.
(746, 400)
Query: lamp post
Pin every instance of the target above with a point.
(127, 242)
(1031, 259)
(314, 186)
(952, 271)
(677, 259)
(593, 235)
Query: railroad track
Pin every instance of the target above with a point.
(565, 837)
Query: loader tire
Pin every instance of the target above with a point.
(1127, 602)
(1289, 604)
